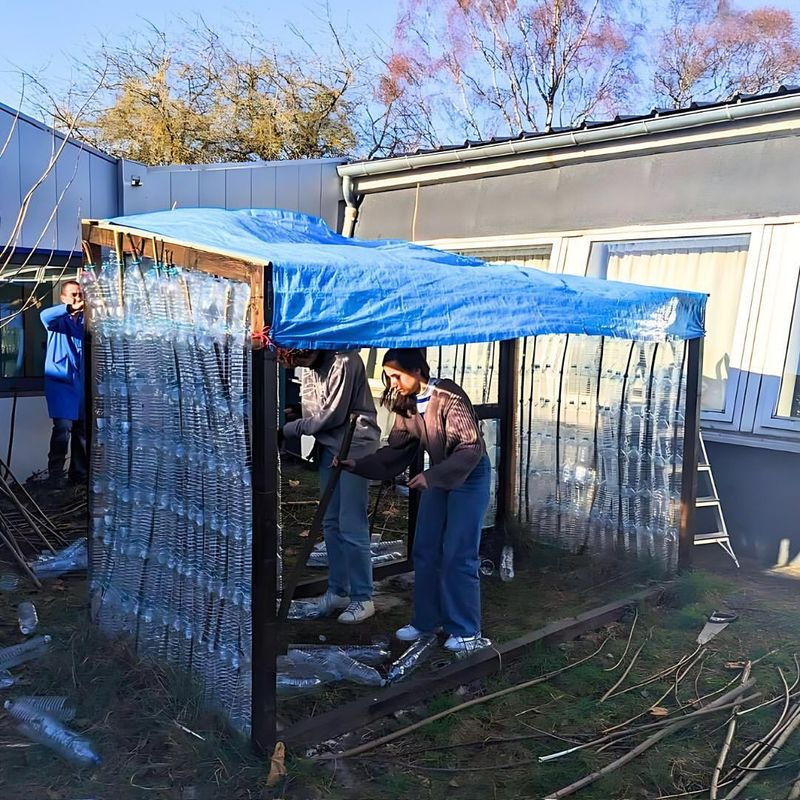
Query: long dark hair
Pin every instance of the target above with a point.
(408, 359)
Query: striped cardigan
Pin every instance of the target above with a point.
(450, 433)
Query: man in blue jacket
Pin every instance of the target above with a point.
(63, 384)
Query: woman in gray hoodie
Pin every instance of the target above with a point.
(335, 385)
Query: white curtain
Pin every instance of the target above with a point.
(714, 266)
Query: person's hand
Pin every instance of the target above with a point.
(75, 307)
(418, 482)
(345, 463)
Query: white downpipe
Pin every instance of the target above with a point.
(351, 200)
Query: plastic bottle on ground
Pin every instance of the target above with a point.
(27, 617)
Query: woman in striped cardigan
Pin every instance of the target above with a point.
(438, 416)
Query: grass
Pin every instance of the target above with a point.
(132, 710)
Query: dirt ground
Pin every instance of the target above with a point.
(157, 742)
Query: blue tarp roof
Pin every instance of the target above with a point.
(331, 292)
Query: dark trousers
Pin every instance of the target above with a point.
(68, 433)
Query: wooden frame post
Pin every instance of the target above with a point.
(506, 468)
(265, 538)
(691, 432)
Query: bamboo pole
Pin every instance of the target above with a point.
(788, 729)
(645, 745)
(726, 745)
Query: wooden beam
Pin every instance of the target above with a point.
(365, 710)
(691, 433)
(265, 549)
(185, 256)
(135, 242)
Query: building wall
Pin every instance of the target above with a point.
(81, 183)
(753, 179)
(311, 186)
(726, 189)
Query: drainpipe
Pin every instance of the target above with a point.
(352, 202)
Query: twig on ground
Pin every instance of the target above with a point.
(354, 751)
(787, 730)
(645, 745)
(712, 708)
(662, 674)
(627, 644)
(610, 692)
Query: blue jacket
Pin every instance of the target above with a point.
(63, 365)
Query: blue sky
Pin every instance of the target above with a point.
(40, 35)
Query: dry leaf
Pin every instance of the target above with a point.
(293, 484)
(659, 711)
(277, 767)
(304, 534)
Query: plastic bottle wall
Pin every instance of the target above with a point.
(170, 498)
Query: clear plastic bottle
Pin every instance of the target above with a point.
(27, 617)
(25, 707)
(68, 744)
(507, 563)
(18, 654)
(412, 658)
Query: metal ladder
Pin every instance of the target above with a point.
(711, 500)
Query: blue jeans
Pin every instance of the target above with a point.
(68, 434)
(346, 529)
(447, 589)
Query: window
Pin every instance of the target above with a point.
(714, 265)
(537, 257)
(788, 402)
(33, 285)
(23, 339)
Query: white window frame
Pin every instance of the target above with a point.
(502, 245)
(730, 417)
(779, 297)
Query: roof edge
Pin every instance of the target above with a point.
(641, 126)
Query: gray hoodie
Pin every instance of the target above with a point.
(330, 392)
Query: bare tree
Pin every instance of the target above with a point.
(190, 96)
(709, 50)
(506, 65)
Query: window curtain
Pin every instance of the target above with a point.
(715, 266)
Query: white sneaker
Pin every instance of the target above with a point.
(408, 633)
(357, 611)
(466, 644)
(329, 603)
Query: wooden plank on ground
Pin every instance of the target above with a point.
(365, 710)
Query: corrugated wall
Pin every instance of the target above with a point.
(310, 186)
(83, 183)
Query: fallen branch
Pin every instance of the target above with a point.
(645, 745)
(354, 751)
(726, 745)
